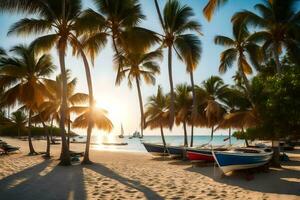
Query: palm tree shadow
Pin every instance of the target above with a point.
(104, 171)
(59, 183)
(278, 181)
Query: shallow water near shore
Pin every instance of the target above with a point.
(135, 144)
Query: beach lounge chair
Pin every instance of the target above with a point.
(2, 151)
(9, 149)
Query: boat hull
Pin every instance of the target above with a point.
(200, 155)
(156, 149)
(231, 161)
(176, 151)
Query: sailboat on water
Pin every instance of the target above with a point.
(122, 132)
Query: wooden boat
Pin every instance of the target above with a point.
(202, 154)
(242, 158)
(156, 149)
(177, 151)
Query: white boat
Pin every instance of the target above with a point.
(122, 132)
(242, 158)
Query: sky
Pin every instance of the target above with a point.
(122, 102)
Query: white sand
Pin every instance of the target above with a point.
(135, 176)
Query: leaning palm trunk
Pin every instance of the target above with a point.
(51, 131)
(47, 155)
(172, 96)
(31, 149)
(185, 134)
(162, 135)
(193, 108)
(141, 106)
(65, 154)
(86, 159)
(69, 130)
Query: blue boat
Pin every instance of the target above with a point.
(177, 151)
(156, 149)
(242, 158)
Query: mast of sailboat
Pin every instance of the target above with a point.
(122, 130)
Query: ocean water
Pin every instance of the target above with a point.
(135, 144)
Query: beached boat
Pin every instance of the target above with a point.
(202, 154)
(177, 151)
(242, 158)
(115, 143)
(156, 149)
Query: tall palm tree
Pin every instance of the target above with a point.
(62, 19)
(25, 74)
(19, 120)
(279, 21)
(183, 102)
(157, 113)
(238, 49)
(211, 6)
(139, 64)
(212, 92)
(176, 20)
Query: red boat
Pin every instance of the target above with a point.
(204, 154)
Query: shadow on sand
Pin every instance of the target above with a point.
(278, 181)
(38, 183)
(47, 180)
(104, 171)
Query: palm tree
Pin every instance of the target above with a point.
(176, 21)
(52, 105)
(279, 21)
(183, 102)
(98, 120)
(212, 92)
(156, 114)
(64, 20)
(138, 64)
(211, 6)
(24, 73)
(239, 48)
(111, 19)
(19, 120)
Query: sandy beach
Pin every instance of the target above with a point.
(120, 175)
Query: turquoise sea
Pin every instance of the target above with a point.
(135, 144)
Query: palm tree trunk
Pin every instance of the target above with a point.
(65, 154)
(276, 58)
(31, 149)
(86, 159)
(186, 144)
(141, 106)
(69, 130)
(172, 97)
(162, 136)
(117, 52)
(159, 14)
(47, 155)
(193, 108)
(276, 153)
(51, 130)
(211, 133)
(18, 132)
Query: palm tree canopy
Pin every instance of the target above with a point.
(99, 119)
(241, 43)
(23, 76)
(183, 102)
(280, 23)
(18, 119)
(157, 113)
(211, 6)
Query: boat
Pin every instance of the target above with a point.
(122, 132)
(202, 154)
(156, 149)
(115, 143)
(242, 158)
(177, 151)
